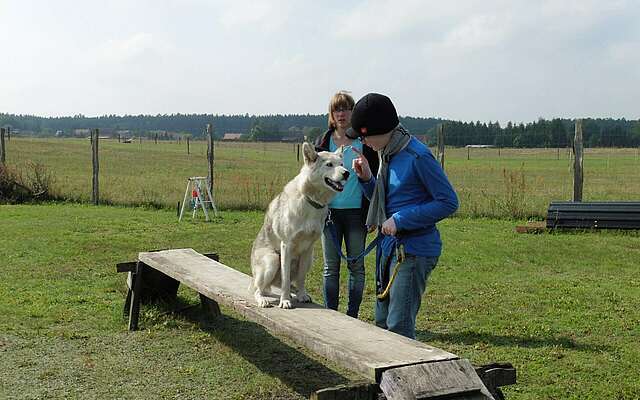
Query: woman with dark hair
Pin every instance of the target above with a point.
(347, 211)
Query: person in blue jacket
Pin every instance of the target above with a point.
(409, 195)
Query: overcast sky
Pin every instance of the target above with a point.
(484, 60)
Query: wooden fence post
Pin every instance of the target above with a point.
(8, 133)
(298, 153)
(577, 162)
(188, 145)
(210, 155)
(2, 151)
(95, 194)
(156, 138)
(468, 152)
(440, 139)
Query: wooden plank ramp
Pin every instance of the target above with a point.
(354, 344)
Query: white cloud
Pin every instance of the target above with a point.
(267, 16)
(469, 59)
(380, 20)
(478, 32)
(624, 53)
(129, 49)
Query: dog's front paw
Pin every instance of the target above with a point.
(287, 304)
(262, 301)
(303, 298)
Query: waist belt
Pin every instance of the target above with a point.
(400, 235)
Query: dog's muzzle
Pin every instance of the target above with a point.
(337, 186)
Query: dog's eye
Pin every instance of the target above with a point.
(329, 165)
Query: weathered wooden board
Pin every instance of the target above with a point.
(451, 379)
(357, 345)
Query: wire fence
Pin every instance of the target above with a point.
(490, 181)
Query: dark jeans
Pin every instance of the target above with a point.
(398, 311)
(350, 228)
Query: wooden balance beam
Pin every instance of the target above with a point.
(403, 368)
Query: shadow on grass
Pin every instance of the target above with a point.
(471, 337)
(255, 344)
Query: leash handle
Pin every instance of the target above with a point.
(401, 255)
(334, 236)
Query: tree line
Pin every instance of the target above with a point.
(597, 132)
(557, 132)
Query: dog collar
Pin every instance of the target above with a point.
(313, 203)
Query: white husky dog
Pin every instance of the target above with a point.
(283, 251)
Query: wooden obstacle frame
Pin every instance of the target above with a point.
(593, 215)
(401, 368)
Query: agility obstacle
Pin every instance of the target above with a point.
(401, 368)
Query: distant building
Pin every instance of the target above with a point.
(292, 139)
(107, 132)
(81, 132)
(480, 146)
(232, 136)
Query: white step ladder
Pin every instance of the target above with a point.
(200, 197)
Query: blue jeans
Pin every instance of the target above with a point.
(349, 227)
(398, 311)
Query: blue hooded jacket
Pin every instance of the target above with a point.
(418, 195)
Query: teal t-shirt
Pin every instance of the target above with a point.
(351, 196)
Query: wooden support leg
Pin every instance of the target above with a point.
(353, 391)
(210, 306)
(127, 301)
(135, 297)
(496, 375)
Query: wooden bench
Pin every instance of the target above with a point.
(402, 368)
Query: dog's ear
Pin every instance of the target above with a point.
(309, 152)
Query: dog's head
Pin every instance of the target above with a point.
(326, 167)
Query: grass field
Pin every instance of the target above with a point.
(563, 308)
(511, 183)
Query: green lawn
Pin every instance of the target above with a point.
(563, 308)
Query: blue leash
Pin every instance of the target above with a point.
(350, 260)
